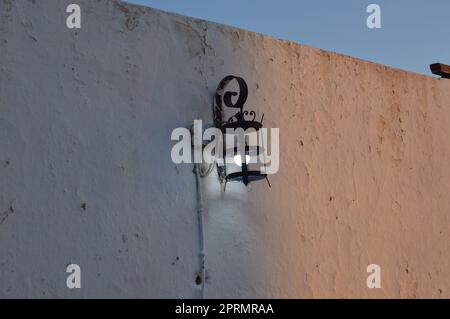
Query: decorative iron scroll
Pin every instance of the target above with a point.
(246, 118)
(225, 97)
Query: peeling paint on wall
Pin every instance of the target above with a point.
(4, 216)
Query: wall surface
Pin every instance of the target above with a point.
(86, 175)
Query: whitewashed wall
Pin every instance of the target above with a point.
(86, 175)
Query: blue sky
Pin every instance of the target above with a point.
(414, 33)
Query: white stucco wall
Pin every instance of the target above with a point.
(86, 175)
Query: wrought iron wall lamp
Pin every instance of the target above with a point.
(245, 165)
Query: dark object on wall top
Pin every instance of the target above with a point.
(441, 70)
